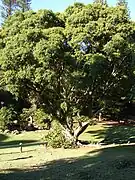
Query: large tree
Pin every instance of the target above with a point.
(73, 64)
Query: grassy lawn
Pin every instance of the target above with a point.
(116, 163)
(95, 163)
(24, 137)
(109, 134)
(92, 135)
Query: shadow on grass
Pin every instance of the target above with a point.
(15, 143)
(21, 158)
(117, 134)
(115, 163)
(3, 137)
(7, 153)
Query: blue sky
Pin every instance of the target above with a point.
(61, 5)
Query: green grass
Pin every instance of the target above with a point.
(24, 137)
(91, 134)
(98, 133)
(109, 134)
(116, 162)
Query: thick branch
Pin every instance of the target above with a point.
(81, 129)
(83, 126)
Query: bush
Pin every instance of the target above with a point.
(42, 119)
(24, 117)
(7, 115)
(56, 139)
(39, 118)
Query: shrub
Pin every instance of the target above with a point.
(7, 115)
(42, 119)
(24, 117)
(56, 138)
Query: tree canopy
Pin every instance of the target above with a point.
(71, 64)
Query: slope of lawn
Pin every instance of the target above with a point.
(114, 163)
(109, 133)
(86, 163)
(92, 135)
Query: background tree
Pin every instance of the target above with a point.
(23, 5)
(9, 6)
(101, 1)
(122, 3)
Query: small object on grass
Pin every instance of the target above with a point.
(100, 117)
(20, 144)
(45, 146)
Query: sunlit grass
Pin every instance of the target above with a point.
(89, 162)
(91, 133)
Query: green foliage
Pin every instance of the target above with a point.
(42, 119)
(104, 54)
(24, 117)
(56, 139)
(70, 64)
(7, 116)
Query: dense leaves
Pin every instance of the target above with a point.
(71, 65)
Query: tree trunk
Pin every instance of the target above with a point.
(73, 137)
(69, 136)
(9, 8)
(90, 106)
(80, 130)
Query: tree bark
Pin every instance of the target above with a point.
(80, 130)
(73, 137)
